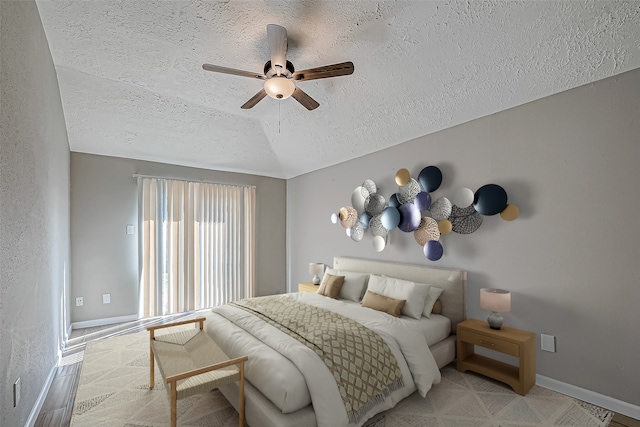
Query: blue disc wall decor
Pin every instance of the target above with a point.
(490, 199)
(393, 200)
(364, 220)
(423, 201)
(430, 179)
(433, 250)
(390, 217)
(409, 217)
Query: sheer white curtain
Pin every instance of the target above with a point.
(197, 245)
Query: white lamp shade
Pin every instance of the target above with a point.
(496, 300)
(279, 87)
(317, 269)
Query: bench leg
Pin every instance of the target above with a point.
(151, 368)
(241, 387)
(174, 402)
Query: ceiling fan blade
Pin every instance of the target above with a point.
(254, 100)
(335, 70)
(277, 36)
(307, 102)
(233, 71)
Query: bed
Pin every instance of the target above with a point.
(289, 385)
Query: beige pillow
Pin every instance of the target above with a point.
(437, 307)
(331, 285)
(385, 304)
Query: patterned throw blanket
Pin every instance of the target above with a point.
(362, 364)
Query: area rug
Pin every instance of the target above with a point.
(113, 391)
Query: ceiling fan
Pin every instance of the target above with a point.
(279, 74)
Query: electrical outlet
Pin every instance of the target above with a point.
(548, 343)
(79, 301)
(106, 298)
(16, 392)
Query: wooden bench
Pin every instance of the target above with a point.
(191, 362)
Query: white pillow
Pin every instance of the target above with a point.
(434, 294)
(414, 293)
(353, 285)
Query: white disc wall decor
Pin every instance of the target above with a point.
(369, 187)
(334, 218)
(357, 199)
(462, 197)
(379, 243)
(376, 228)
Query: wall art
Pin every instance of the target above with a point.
(413, 209)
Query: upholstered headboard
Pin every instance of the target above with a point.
(454, 282)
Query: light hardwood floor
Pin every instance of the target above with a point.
(58, 405)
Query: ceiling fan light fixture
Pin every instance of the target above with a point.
(279, 87)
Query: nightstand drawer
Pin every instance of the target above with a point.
(490, 343)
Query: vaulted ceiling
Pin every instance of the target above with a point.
(132, 84)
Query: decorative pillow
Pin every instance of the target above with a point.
(434, 294)
(437, 307)
(414, 294)
(381, 303)
(354, 284)
(331, 285)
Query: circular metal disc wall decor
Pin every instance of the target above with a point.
(462, 197)
(334, 218)
(427, 230)
(490, 199)
(441, 209)
(390, 217)
(379, 243)
(423, 201)
(407, 193)
(465, 220)
(364, 220)
(445, 226)
(402, 177)
(393, 200)
(357, 199)
(368, 188)
(374, 204)
(357, 232)
(376, 228)
(430, 179)
(409, 217)
(348, 216)
(433, 250)
(510, 213)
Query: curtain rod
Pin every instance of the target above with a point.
(137, 175)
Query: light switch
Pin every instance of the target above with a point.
(106, 298)
(130, 229)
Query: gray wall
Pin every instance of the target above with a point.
(570, 162)
(104, 199)
(34, 210)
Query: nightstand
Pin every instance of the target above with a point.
(511, 341)
(307, 287)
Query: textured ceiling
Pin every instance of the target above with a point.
(132, 83)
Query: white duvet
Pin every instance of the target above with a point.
(291, 375)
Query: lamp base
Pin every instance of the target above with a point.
(316, 280)
(495, 320)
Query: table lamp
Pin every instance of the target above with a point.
(497, 301)
(317, 269)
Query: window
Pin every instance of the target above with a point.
(196, 245)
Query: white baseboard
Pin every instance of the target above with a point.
(103, 322)
(35, 411)
(598, 399)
